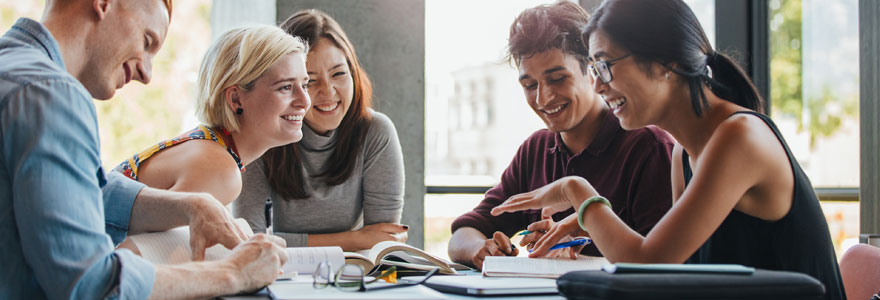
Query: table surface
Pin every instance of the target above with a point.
(264, 294)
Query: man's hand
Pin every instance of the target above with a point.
(370, 235)
(257, 261)
(498, 245)
(562, 231)
(210, 223)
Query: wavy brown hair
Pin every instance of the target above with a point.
(283, 165)
(549, 26)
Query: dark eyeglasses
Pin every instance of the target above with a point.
(602, 69)
(350, 278)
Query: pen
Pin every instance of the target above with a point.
(572, 243)
(525, 232)
(268, 212)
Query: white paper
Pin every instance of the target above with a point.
(172, 247)
(304, 260)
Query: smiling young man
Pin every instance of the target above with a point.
(60, 214)
(582, 138)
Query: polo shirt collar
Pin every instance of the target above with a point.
(608, 130)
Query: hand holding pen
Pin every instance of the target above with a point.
(535, 231)
(556, 232)
(268, 214)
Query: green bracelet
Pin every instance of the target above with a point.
(584, 205)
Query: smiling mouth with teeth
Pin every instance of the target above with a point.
(327, 107)
(554, 110)
(293, 117)
(616, 103)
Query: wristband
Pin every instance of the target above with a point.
(584, 205)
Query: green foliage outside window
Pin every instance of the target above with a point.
(822, 115)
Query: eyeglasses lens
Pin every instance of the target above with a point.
(322, 275)
(350, 277)
(604, 71)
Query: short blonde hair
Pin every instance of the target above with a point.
(237, 58)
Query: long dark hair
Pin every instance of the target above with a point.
(668, 32)
(283, 164)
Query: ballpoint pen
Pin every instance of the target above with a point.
(268, 214)
(571, 243)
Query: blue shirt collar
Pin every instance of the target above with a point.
(35, 34)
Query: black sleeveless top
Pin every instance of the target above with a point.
(799, 242)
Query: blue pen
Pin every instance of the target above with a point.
(525, 232)
(572, 243)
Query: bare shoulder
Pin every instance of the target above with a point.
(746, 132)
(742, 146)
(197, 166)
(746, 149)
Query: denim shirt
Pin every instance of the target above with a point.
(60, 217)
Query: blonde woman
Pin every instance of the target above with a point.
(343, 184)
(251, 97)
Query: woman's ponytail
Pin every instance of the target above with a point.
(730, 82)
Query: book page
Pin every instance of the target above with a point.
(409, 254)
(538, 267)
(304, 260)
(172, 246)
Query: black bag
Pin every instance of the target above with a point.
(763, 284)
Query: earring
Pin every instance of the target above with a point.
(667, 75)
(238, 111)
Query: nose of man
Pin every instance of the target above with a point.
(544, 96)
(144, 71)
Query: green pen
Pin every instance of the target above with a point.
(525, 232)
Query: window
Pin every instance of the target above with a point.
(814, 94)
(476, 113)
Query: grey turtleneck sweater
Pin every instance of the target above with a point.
(373, 194)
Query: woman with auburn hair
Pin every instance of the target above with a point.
(739, 195)
(251, 97)
(343, 183)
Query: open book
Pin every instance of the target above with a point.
(403, 256)
(172, 247)
(509, 266)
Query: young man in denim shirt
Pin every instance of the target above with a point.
(60, 214)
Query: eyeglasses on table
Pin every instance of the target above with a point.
(352, 278)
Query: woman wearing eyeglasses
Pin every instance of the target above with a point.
(739, 195)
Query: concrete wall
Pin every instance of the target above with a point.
(389, 37)
(869, 44)
(228, 14)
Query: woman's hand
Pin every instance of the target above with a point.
(370, 235)
(557, 196)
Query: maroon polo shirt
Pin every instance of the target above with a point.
(630, 168)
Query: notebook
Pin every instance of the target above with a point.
(492, 286)
(509, 266)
